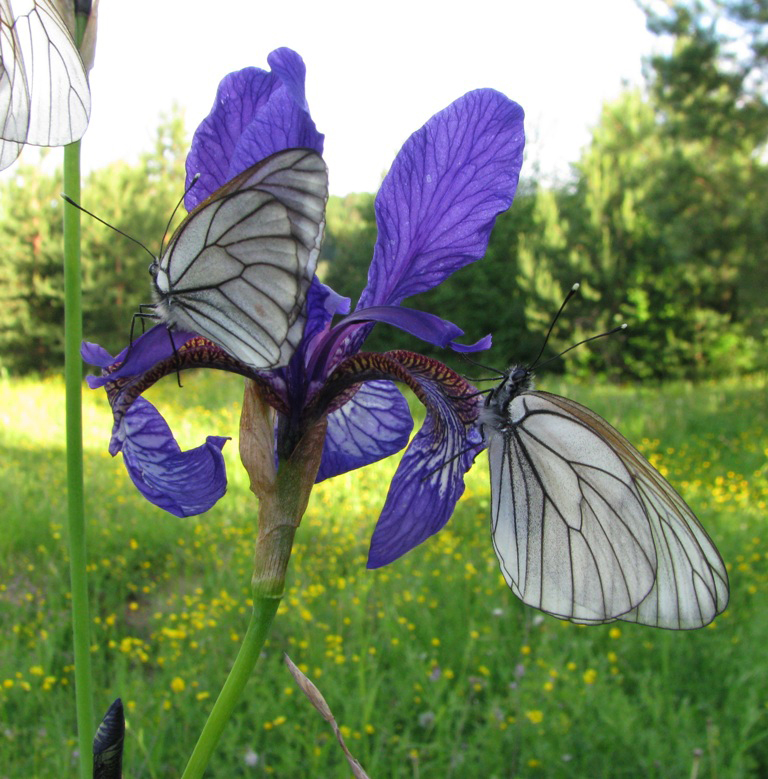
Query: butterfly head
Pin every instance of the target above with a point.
(515, 380)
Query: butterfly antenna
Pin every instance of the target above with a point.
(587, 340)
(99, 219)
(484, 367)
(181, 200)
(570, 294)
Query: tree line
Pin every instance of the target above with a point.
(664, 222)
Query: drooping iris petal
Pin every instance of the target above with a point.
(424, 491)
(437, 205)
(374, 424)
(430, 477)
(183, 483)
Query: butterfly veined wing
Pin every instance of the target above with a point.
(44, 95)
(585, 528)
(237, 270)
(691, 586)
(14, 94)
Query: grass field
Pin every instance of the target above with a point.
(431, 665)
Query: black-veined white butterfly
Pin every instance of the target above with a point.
(583, 526)
(238, 268)
(44, 95)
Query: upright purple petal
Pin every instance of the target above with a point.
(238, 98)
(437, 206)
(279, 125)
(323, 303)
(182, 483)
(289, 67)
(374, 424)
(256, 113)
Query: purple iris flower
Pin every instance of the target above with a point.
(434, 212)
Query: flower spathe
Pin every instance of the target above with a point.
(434, 213)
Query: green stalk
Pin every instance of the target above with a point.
(264, 610)
(73, 377)
(283, 498)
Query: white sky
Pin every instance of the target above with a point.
(375, 73)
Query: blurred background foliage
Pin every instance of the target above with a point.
(664, 222)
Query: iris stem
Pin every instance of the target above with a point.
(264, 610)
(73, 377)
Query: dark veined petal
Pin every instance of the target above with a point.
(437, 205)
(374, 424)
(182, 483)
(242, 98)
(430, 477)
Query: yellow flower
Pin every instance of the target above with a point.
(178, 684)
(590, 676)
(535, 716)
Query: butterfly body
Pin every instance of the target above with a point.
(238, 269)
(583, 526)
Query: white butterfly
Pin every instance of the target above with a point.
(44, 94)
(584, 527)
(238, 268)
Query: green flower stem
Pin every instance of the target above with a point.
(273, 551)
(73, 377)
(264, 610)
(283, 498)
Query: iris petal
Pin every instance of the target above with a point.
(437, 205)
(184, 483)
(430, 478)
(279, 125)
(374, 424)
(222, 147)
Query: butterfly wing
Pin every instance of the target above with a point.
(238, 268)
(44, 95)
(587, 530)
(14, 94)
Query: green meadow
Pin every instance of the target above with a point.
(431, 666)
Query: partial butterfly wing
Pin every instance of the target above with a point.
(14, 94)
(586, 529)
(238, 268)
(44, 95)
